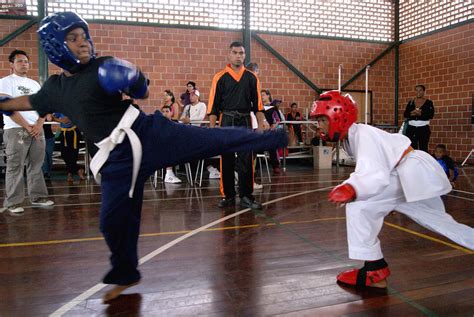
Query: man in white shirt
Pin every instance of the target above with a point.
(23, 140)
(196, 111)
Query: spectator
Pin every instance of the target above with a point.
(294, 115)
(23, 139)
(170, 101)
(253, 67)
(419, 111)
(234, 94)
(272, 116)
(196, 111)
(190, 87)
(69, 140)
(170, 177)
(447, 163)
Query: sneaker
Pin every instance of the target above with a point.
(42, 202)
(247, 202)
(172, 179)
(257, 186)
(226, 202)
(16, 209)
(214, 174)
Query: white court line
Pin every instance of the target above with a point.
(470, 199)
(96, 288)
(462, 191)
(194, 188)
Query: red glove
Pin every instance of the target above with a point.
(341, 194)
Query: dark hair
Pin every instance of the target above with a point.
(252, 66)
(166, 107)
(268, 93)
(170, 93)
(293, 103)
(421, 86)
(236, 44)
(441, 146)
(11, 57)
(192, 83)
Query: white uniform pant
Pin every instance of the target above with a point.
(365, 219)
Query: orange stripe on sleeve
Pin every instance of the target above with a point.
(259, 95)
(212, 93)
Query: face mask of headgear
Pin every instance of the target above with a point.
(52, 35)
(341, 112)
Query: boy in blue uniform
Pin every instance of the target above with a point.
(131, 145)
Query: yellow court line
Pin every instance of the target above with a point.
(27, 244)
(421, 235)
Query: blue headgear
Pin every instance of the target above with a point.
(52, 35)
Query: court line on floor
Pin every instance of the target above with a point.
(168, 233)
(256, 193)
(160, 190)
(463, 198)
(96, 288)
(418, 234)
(463, 191)
(391, 290)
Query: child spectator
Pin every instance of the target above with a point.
(170, 177)
(446, 163)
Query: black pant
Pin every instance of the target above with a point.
(419, 136)
(297, 130)
(70, 149)
(243, 161)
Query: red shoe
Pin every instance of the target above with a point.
(373, 274)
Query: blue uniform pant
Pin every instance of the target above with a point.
(164, 143)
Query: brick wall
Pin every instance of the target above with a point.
(444, 63)
(172, 56)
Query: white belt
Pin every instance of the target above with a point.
(418, 123)
(116, 137)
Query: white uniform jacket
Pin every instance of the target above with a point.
(378, 153)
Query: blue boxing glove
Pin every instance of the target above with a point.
(120, 76)
(3, 99)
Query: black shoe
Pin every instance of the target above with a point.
(246, 202)
(226, 202)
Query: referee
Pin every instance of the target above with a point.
(234, 94)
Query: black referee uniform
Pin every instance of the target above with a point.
(232, 97)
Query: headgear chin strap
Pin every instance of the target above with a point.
(341, 112)
(52, 36)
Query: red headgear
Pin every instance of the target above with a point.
(341, 112)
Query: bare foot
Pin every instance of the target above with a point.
(116, 291)
(69, 178)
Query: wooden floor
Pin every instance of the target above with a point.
(282, 261)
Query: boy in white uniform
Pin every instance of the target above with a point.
(389, 175)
